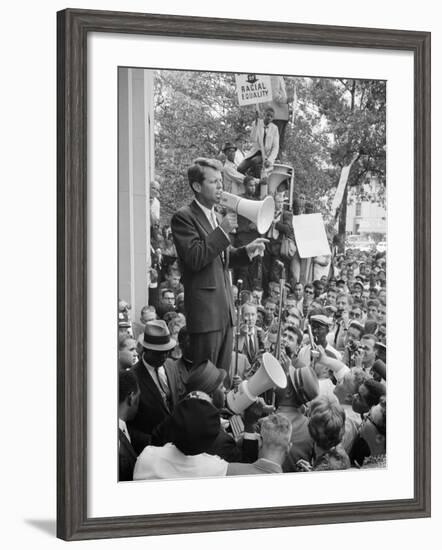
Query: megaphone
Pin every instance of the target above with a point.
(259, 212)
(280, 173)
(269, 375)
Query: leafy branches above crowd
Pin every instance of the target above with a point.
(332, 121)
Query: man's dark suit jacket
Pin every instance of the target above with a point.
(208, 299)
(126, 458)
(258, 344)
(152, 409)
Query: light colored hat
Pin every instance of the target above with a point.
(157, 336)
(357, 325)
(321, 319)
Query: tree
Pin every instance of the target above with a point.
(195, 113)
(355, 114)
(334, 120)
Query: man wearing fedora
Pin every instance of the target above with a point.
(233, 180)
(205, 254)
(158, 382)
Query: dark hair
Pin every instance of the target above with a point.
(127, 384)
(357, 326)
(294, 330)
(195, 172)
(269, 109)
(369, 336)
(163, 292)
(248, 179)
(327, 422)
(182, 335)
(375, 390)
(169, 316)
(245, 296)
(332, 459)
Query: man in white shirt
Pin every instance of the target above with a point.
(232, 179)
(265, 145)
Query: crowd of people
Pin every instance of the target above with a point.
(323, 318)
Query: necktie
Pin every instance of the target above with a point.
(163, 383)
(265, 134)
(215, 225)
(214, 220)
(251, 347)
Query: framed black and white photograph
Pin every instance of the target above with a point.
(243, 231)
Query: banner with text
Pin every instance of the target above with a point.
(253, 88)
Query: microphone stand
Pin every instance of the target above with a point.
(278, 336)
(238, 329)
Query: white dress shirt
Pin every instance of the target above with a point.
(123, 428)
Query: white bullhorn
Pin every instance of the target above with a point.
(269, 375)
(259, 212)
(280, 173)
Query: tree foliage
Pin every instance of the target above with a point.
(333, 120)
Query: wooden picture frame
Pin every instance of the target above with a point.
(73, 28)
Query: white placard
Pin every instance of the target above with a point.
(253, 88)
(310, 236)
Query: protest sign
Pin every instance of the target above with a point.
(310, 235)
(253, 88)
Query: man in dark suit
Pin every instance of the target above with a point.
(158, 382)
(205, 255)
(251, 337)
(128, 400)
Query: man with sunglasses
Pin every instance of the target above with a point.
(356, 313)
(308, 298)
